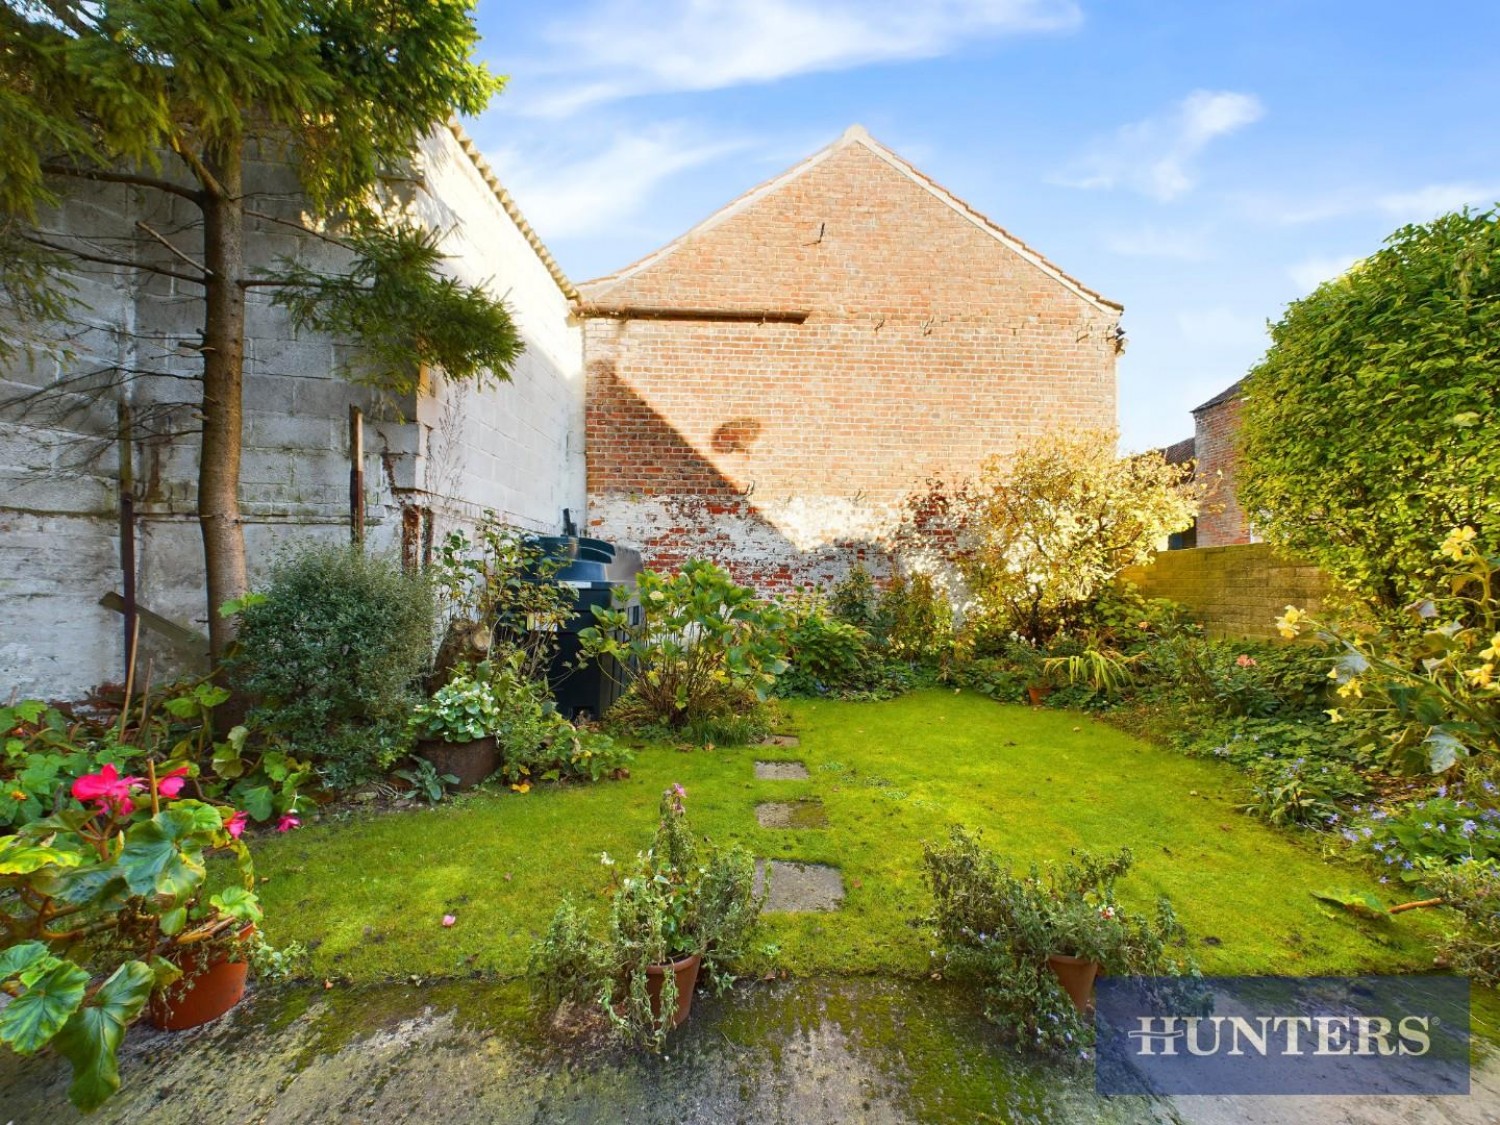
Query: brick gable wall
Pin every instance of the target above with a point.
(1222, 522)
(783, 449)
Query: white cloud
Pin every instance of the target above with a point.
(1157, 156)
(631, 47)
(1429, 202)
(564, 194)
(1312, 272)
(1159, 242)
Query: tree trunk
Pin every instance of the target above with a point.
(223, 407)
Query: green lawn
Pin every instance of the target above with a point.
(370, 891)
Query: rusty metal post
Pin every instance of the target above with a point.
(356, 476)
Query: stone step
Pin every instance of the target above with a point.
(800, 888)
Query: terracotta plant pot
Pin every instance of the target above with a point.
(210, 985)
(1038, 692)
(686, 974)
(470, 762)
(1076, 975)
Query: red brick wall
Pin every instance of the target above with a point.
(929, 345)
(1221, 521)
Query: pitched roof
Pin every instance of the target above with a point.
(471, 150)
(1232, 391)
(856, 135)
(1181, 452)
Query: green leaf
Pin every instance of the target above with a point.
(173, 920)
(19, 858)
(164, 855)
(91, 1040)
(182, 707)
(1443, 750)
(239, 903)
(1362, 903)
(18, 958)
(227, 762)
(30, 1020)
(259, 802)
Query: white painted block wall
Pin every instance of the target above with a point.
(515, 448)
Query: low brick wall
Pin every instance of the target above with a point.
(1235, 591)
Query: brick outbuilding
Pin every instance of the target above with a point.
(767, 389)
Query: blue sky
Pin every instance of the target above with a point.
(1201, 162)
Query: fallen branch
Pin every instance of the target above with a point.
(1416, 905)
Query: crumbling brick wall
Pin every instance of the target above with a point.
(767, 391)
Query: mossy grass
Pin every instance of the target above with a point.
(369, 891)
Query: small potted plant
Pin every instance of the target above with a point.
(1035, 942)
(102, 907)
(1030, 664)
(680, 912)
(455, 728)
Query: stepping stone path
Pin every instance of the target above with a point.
(795, 887)
(800, 887)
(781, 771)
(791, 814)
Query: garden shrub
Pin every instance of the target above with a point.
(997, 930)
(501, 581)
(1238, 677)
(1124, 618)
(825, 655)
(915, 619)
(855, 599)
(679, 898)
(1417, 840)
(1302, 791)
(702, 647)
(1472, 889)
(1368, 429)
(330, 651)
(1038, 536)
(1434, 683)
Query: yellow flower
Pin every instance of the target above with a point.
(1459, 538)
(1288, 623)
(1493, 652)
(1334, 715)
(1333, 673)
(523, 787)
(1351, 690)
(1482, 677)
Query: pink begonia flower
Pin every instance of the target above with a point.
(1244, 660)
(449, 920)
(235, 825)
(169, 785)
(108, 790)
(287, 822)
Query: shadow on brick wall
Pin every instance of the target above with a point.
(651, 489)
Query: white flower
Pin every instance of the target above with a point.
(606, 860)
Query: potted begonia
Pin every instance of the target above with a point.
(103, 905)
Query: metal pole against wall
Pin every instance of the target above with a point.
(356, 475)
(127, 532)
